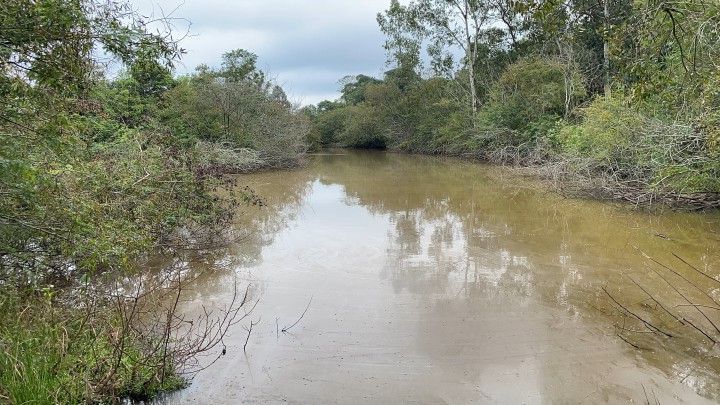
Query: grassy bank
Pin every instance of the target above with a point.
(52, 353)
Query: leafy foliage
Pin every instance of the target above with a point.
(51, 356)
(629, 88)
(98, 173)
(236, 106)
(530, 90)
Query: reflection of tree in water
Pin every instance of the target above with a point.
(282, 194)
(253, 229)
(441, 255)
(408, 233)
(465, 232)
(410, 265)
(570, 242)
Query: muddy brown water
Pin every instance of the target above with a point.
(442, 281)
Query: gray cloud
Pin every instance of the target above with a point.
(306, 45)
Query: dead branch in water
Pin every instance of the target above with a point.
(629, 342)
(700, 330)
(287, 328)
(681, 276)
(249, 331)
(638, 317)
(696, 269)
(698, 305)
(689, 341)
(587, 177)
(147, 309)
(656, 301)
(687, 300)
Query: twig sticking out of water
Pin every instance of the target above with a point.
(249, 331)
(688, 301)
(700, 330)
(681, 276)
(656, 301)
(699, 306)
(647, 400)
(638, 317)
(629, 342)
(696, 269)
(287, 328)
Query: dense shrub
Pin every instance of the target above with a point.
(431, 121)
(638, 149)
(52, 354)
(330, 124)
(102, 205)
(96, 175)
(209, 108)
(533, 89)
(608, 126)
(363, 129)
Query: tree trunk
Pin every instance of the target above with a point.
(566, 57)
(473, 91)
(606, 48)
(470, 53)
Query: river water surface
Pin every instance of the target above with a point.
(441, 281)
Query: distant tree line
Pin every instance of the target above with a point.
(618, 97)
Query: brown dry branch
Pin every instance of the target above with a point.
(696, 269)
(638, 317)
(680, 331)
(629, 342)
(684, 297)
(638, 185)
(700, 330)
(656, 301)
(147, 308)
(287, 328)
(682, 277)
(249, 331)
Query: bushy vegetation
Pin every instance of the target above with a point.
(96, 173)
(620, 151)
(531, 90)
(54, 354)
(236, 106)
(619, 99)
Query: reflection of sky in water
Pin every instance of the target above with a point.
(428, 247)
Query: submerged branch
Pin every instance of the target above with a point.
(638, 317)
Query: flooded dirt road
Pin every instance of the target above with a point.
(440, 281)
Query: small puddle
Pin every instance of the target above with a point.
(441, 281)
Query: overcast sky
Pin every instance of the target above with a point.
(307, 46)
